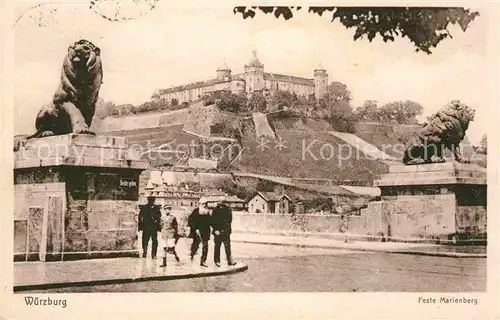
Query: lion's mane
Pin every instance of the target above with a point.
(81, 79)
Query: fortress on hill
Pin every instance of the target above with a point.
(253, 79)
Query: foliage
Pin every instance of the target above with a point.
(227, 101)
(257, 103)
(291, 105)
(342, 122)
(282, 99)
(265, 185)
(232, 188)
(148, 106)
(483, 145)
(369, 111)
(226, 128)
(401, 112)
(425, 27)
(123, 109)
(154, 105)
(335, 107)
(319, 204)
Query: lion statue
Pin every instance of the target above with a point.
(73, 104)
(445, 129)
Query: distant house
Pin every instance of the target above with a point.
(232, 202)
(177, 197)
(270, 202)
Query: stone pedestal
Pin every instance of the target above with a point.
(445, 201)
(75, 197)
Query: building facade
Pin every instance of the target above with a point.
(270, 202)
(253, 79)
(233, 202)
(177, 197)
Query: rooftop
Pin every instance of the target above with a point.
(283, 77)
(271, 196)
(320, 67)
(254, 61)
(225, 198)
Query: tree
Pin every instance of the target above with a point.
(281, 99)
(483, 145)
(337, 92)
(369, 111)
(265, 185)
(231, 102)
(257, 103)
(232, 188)
(402, 112)
(335, 107)
(425, 27)
(227, 101)
(174, 102)
(311, 100)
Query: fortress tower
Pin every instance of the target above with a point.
(223, 72)
(254, 74)
(320, 81)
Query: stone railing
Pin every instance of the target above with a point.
(306, 223)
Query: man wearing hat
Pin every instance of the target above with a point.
(149, 224)
(222, 218)
(199, 224)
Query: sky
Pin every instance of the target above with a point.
(177, 44)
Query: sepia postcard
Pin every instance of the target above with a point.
(232, 160)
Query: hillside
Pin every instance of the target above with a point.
(306, 154)
(392, 138)
(300, 147)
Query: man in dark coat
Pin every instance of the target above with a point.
(199, 225)
(149, 224)
(222, 217)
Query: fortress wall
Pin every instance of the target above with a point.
(129, 122)
(176, 117)
(200, 118)
(197, 119)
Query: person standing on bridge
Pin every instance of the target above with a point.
(222, 217)
(199, 224)
(149, 224)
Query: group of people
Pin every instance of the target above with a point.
(202, 222)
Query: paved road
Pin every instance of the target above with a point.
(288, 269)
